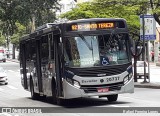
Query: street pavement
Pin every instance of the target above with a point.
(14, 95)
(153, 82)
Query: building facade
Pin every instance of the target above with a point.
(65, 6)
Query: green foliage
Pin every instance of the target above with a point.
(42, 10)
(127, 9)
(20, 31)
(16, 16)
(81, 11)
(2, 39)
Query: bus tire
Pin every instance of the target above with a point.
(34, 95)
(112, 98)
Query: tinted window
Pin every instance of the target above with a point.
(44, 47)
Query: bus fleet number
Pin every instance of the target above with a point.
(112, 79)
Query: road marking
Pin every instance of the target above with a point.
(11, 71)
(11, 87)
(7, 114)
(1, 89)
(118, 106)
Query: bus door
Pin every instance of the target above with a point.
(34, 65)
(44, 52)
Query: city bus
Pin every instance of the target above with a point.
(76, 59)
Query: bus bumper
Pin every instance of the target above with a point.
(71, 91)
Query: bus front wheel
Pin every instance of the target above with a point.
(112, 98)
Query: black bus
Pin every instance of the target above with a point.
(79, 58)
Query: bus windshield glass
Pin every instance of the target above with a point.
(96, 50)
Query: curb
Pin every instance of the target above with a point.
(147, 85)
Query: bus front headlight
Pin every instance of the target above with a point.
(73, 82)
(69, 81)
(127, 78)
(76, 84)
(130, 76)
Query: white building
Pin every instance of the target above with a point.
(66, 5)
(80, 1)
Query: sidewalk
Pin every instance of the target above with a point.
(12, 60)
(154, 84)
(154, 78)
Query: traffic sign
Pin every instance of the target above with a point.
(150, 27)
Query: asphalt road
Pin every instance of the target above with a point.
(13, 95)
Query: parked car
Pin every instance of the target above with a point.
(2, 57)
(140, 69)
(3, 76)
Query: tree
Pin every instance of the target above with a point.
(37, 12)
(20, 31)
(155, 6)
(29, 13)
(2, 39)
(8, 16)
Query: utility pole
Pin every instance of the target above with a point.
(144, 51)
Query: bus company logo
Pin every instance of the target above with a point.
(100, 75)
(101, 80)
(89, 81)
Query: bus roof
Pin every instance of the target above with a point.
(97, 19)
(52, 26)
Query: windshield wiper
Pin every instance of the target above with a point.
(85, 41)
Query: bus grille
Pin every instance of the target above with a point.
(94, 88)
(95, 71)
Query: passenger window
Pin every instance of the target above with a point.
(44, 47)
(27, 54)
(33, 50)
(51, 44)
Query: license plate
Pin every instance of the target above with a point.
(100, 90)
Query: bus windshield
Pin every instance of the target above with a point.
(96, 50)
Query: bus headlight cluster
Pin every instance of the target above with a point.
(76, 84)
(130, 76)
(127, 78)
(73, 82)
(69, 81)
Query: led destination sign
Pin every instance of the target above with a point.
(91, 26)
(95, 25)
